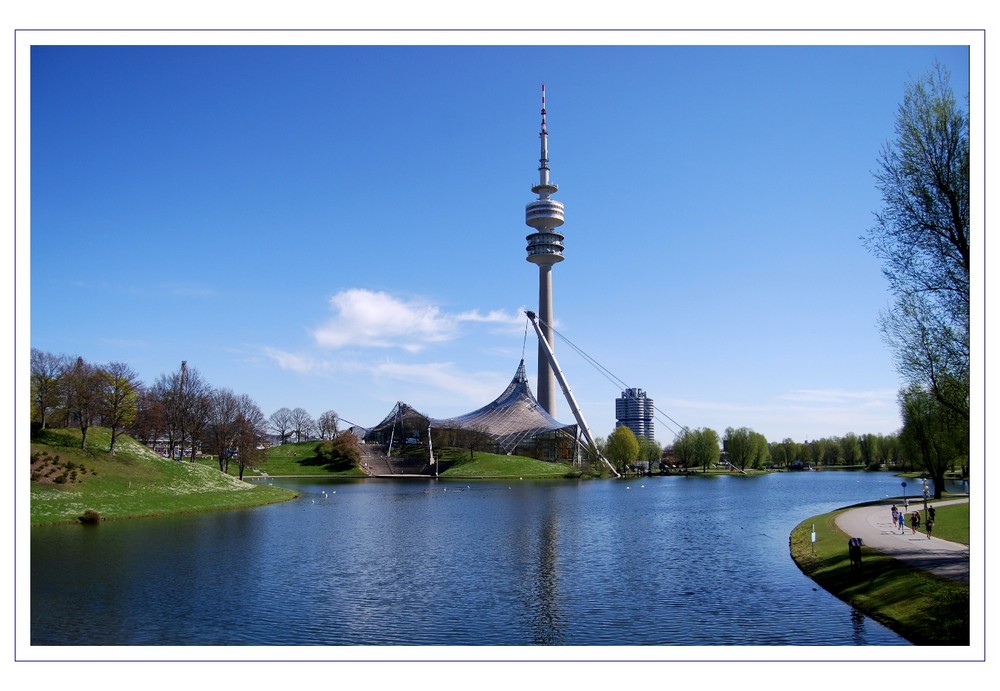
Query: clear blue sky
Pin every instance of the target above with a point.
(341, 228)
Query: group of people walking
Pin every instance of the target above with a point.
(899, 519)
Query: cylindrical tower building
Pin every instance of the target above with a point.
(545, 247)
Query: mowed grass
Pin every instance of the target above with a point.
(301, 459)
(921, 607)
(951, 522)
(134, 482)
(293, 459)
(491, 465)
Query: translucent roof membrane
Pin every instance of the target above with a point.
(515, 417)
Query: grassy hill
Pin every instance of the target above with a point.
(492, 465)
(67, 480)
(301, 458)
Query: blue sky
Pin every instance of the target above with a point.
(342, 227)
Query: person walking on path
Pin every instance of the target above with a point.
(930, 527)
(895, 515)
(940, 556)
(930, 513)
(914, 522)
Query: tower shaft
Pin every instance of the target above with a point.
(545, 247)
(546, 377)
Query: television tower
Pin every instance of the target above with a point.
(545, 247)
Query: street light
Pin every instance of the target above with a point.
(927, 491)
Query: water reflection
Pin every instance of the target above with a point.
(673, 561)
(547, 622)
(858, 627)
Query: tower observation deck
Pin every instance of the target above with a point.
(545, 247)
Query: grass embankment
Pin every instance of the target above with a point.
(68, 480)
(301, 459)
(298, 459)
(494, 466)
(922, 608)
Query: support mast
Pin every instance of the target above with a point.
(577, 413)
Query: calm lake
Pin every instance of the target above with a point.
(658, 561)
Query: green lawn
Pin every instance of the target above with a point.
(951, 522)
(134, 482)
(921, 607)
(492, 465)
(295, 459)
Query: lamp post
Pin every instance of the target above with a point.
(927, 491)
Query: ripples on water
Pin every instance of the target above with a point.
(654, 561)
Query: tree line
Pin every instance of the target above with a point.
(180, 414)
(746, 449)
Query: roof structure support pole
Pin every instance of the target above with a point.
(551, 357)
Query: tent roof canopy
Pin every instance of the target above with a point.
(512, 418)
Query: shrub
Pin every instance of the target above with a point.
(90, 517)
(340, 452)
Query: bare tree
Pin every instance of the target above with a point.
(222, 429)
(302, 424)
(119, 398)
(47, 372)
(83, 383)
(281, 423)
(151, 418)
(251, 434)
(327, 424)
(185, 398)
(477, 438)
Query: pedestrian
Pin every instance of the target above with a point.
(895, 515)
(930, 527)
(902, 522)
(914, 522)
(931, 513)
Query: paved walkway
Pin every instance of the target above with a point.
(873, 524)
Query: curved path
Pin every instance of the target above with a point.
(873, 524)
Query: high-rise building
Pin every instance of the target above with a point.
(545, 247)
(635, 411)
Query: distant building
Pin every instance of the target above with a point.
(635, 411)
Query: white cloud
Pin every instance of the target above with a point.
(494, 317)
(303, 364)
(380, 320)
